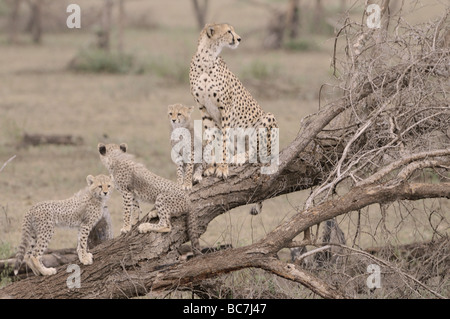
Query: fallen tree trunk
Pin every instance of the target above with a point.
(130, 266)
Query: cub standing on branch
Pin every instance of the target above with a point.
(83, 210)
(136, 183)
(187, 171)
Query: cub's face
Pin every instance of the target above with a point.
(223, 35)
(100, 186)
(179, 115)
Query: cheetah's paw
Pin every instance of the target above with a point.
(125, 229)
(153, 213)
(39, 268)
(222, 171)
(209, 171)
(147, 227)
(197, 177)
(47, 271)
(86, 259)
(187, 186)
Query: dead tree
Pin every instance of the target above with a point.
(35, 22)
(121, 27)
(293, 18)
(13, 23)
(200, 10)
(282, 21)
(369, 146)
(104, 32)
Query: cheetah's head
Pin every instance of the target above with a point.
(218, 36)
(179, 114)
(100, 186)
(109, 151)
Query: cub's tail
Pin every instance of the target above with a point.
(26, 236)
(256, 209)
(193, 233)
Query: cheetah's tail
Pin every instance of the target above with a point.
(193, 234)
(26, 234)
(256, 209)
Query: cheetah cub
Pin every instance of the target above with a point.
(187, 172)
(136, 183)
(83, 210)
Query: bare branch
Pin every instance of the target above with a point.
(387, 264)
(401, 162)
(6, 163)
(295, 273)
(312, 252)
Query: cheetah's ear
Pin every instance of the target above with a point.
(90, 180)
(191, 109)
(101, 148)
(123, 147)
(209, 31)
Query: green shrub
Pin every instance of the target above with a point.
(5, 250)
(163, 67)
(100, 61)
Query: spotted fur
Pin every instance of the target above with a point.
(83, 211)
(223, 100)
(180, 117)
(136, 183)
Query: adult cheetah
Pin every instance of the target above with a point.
(223, 100)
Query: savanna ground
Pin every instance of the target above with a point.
(39, 94)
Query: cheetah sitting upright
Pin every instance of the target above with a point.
(136, 183)
(187, 171)
(223, 100)
(83, 210)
